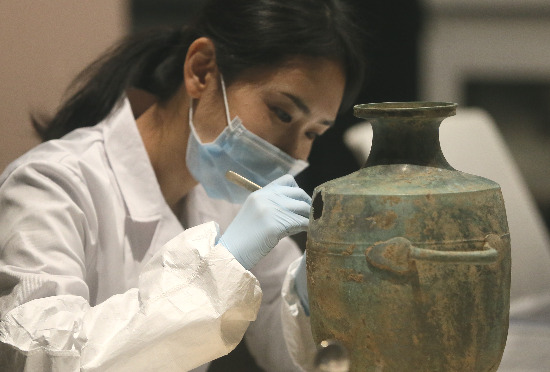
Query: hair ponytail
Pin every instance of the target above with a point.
(152, 61)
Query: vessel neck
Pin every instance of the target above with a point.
(406, 132)
(406, 141)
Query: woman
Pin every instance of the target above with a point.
(108, 261)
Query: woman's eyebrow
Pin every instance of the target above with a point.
(298, 102)
(304, 108)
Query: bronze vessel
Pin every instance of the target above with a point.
(408, 260)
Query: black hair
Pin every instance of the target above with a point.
(245, 33)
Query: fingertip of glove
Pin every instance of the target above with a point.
(286, 180)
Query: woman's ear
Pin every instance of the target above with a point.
(200, 68)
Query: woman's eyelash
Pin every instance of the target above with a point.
(312, 135)
(281, 114)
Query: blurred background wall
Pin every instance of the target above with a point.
(44, 44)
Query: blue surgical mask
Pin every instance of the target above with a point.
(239, 150)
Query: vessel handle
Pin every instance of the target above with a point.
(397, 254)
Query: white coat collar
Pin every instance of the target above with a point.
(131, 165)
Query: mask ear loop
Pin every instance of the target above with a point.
(225, 101)
(191, 112)
(226, 106)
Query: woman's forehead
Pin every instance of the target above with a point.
(306, 76)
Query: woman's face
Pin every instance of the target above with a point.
(291, 105)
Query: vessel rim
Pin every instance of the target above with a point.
(405, 109)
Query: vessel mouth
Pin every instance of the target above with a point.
(426, 109)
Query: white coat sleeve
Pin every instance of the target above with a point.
(296, 325)
(193, 303)
(264, 338)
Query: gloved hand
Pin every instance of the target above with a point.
(279, 209)
(300, 284)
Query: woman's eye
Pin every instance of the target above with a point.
(282, 115)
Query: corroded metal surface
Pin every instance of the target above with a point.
(409, 264)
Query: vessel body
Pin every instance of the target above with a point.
(409, 261)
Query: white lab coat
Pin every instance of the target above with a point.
(98, 274)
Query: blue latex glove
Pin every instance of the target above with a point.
(300, 284)
(279, 209)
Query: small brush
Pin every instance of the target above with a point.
(239, 180)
